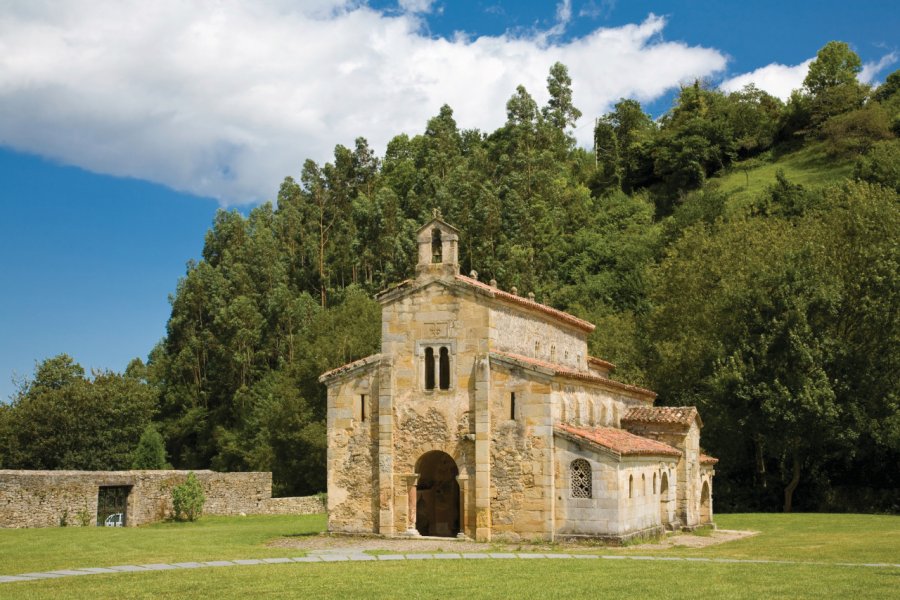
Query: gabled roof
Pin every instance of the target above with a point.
(559, 315)
(670, 415)
(351, 366)
(439, 220)
(706, 459)
(603, 364)
(617, 441)
(563, 371)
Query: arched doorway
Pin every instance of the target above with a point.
(664, 500)
(437, 495)
(704, 504)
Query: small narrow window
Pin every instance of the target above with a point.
(553, 354)
(437, 251)
(643, 485)
(512, 405)
(445, 368)
(654, 484)
(362, 407)
(429, 368)
(630, 486)
(580, 474)
(537, 349)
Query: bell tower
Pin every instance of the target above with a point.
(438, 248)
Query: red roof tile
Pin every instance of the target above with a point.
(603, 364)
(619, 441)
(676, 415)
(528, 303)
(563, 371)
(349, 366)
(705, 459)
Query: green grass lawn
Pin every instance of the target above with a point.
(210, 538)
(809, 166)
(823, 541)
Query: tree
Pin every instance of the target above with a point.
(831, 82)
(61, 420)
(151, 451)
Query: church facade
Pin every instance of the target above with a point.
(484, 416)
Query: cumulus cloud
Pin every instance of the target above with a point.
(780, 80)
(776, 79)
(871, 70)
(226, 98)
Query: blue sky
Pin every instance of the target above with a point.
(125, 125)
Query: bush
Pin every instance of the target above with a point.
(151, 450)
(188, 499)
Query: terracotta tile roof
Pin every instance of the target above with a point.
(706, 459)
(603, 364)
(570, 373)
(675, 415)
(349, 367)
(514, 299)
(619, 441)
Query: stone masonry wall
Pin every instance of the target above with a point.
(54, 498)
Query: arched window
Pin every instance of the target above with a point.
(580, 475)
(437, 251)
(429, 368)
(654, 484)
(630, 486)
(643, 485)
(445, 368)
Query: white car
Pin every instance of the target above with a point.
(115, 520)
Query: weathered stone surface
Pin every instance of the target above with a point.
(54, 498)
(483, 377)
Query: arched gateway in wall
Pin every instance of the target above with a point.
(437, 495)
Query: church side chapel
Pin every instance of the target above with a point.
(483, 416)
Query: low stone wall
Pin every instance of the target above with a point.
(299, 505)
(54, 498)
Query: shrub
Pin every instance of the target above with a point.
(188, 499)
(84, 517)
(150, 452)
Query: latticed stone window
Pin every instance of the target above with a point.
(580, 472)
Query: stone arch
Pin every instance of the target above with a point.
(664, 499)
(437, 495)
(705, 503)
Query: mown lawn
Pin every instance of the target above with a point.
(822, 541)
(210, 538)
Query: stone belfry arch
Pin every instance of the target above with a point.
(438, 249)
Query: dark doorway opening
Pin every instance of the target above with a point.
(112, 505)
(437, 495)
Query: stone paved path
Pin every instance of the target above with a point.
(350, 554)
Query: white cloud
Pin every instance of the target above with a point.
(416, 6)
(779, 80)
(226, 98)
(871, 69)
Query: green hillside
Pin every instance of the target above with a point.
(808, 166)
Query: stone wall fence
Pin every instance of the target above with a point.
(71, 498)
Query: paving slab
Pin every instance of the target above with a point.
(159, 567)
(501, 555)
(391, 557)
(334, 557)
(219, 563)
(275, 561)
(98, 570)
(558, 555)
(420, 556)
(530, 555)
(248, 561)
(188, 565)
(302, 559)
(447, 556)
(589, 556)
(475, 555)
(41, 575)
(70, 572)
(11, 578)
(358, 557)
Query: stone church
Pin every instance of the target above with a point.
(484, 416)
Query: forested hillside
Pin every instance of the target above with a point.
(739, 254)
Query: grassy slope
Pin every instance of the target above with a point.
(808, 166)
(814, 538)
